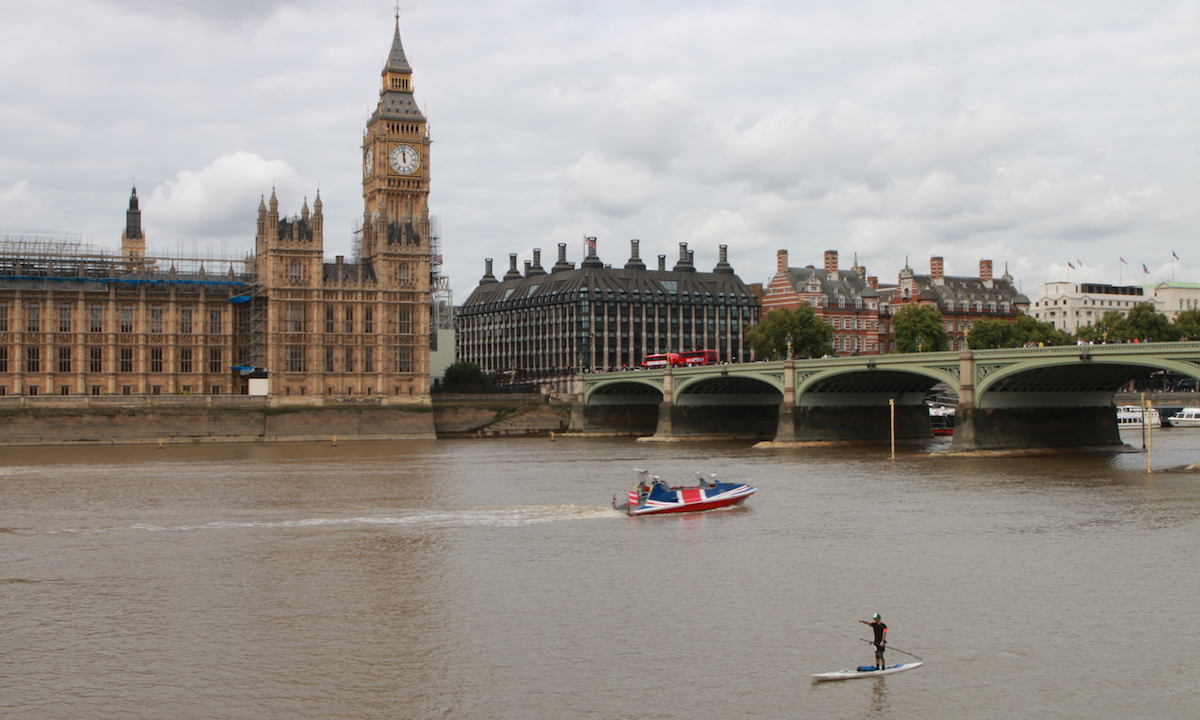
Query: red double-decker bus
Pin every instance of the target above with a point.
(698, 357)
(681, 359)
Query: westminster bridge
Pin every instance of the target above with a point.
(1017, 398)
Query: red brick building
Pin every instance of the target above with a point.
(860, 309)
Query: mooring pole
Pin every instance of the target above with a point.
(892, 408)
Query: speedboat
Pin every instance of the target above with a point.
(1187, 417)
(652, 496)
(1130, 416)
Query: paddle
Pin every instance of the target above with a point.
(889, 647)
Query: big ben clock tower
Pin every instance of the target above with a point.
(396, 232)
(396, 164)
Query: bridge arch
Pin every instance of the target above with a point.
(1079, 380)
(872, 385)
(729, 388)
(632, 390)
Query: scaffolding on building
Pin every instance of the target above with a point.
(65, 257)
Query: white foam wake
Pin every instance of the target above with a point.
(515, 516)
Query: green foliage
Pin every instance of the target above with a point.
(918, 328)
(1030, 330)
(988, 333)
(811, 336)
(1109, 328)
(465, 377)
(1145, 323)
(1187, 325)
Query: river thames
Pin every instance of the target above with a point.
(491, 579)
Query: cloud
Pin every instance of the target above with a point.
(609, 186)
(220, 200)
(20, 208)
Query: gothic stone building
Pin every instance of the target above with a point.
(597, 316)
(81, 321)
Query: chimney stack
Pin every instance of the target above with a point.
(635, 262)
(873, 282)
(592, 260)
(723, 265)
(781, 261)
(985, 271)
(562, 263)
(513, 273)
(685, 260)
(936, 268)
(488, 278)
(831, 268)
(662, 263)
(536, 267)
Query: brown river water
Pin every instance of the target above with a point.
(491, 579)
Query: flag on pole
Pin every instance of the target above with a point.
(1079, 262)
(1070, 265)
(1123, 261)
(591, 241)
(1145, 270)
(1174, 255)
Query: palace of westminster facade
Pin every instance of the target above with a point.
(80, 321)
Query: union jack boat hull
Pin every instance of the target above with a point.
(660, 499)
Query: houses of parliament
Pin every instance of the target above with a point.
(282, 321)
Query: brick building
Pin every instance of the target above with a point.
(859, 308)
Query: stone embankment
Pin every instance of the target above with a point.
(462, 415)
(130, 420)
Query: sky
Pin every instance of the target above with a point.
(1040, 135)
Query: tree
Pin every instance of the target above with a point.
(1110, 327)
(1145, 323)
(1187, 325)
(988, 333)
(1031, 330)
(918, 328)
(810, 335)
(465, 377)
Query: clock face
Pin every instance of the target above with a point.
(404, 159)
(369, 163)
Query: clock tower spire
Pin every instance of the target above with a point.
(396, 162)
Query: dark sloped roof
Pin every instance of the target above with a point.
(969, 290)
(846, 284)
(611, 283)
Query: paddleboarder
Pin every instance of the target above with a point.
(876, 623)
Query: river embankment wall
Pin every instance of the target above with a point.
(121, 420)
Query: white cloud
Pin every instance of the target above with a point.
(609, 186)
(20, 208)
(217, 200)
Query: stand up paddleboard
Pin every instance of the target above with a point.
(865, 671)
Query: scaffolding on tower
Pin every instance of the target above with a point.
(441, 299)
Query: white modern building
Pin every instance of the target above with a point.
(1069, 306)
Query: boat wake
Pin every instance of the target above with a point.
(514, 516)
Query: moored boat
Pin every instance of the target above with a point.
(1131, 416)
(1187, 417)
(652, 496)
(941, 419)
